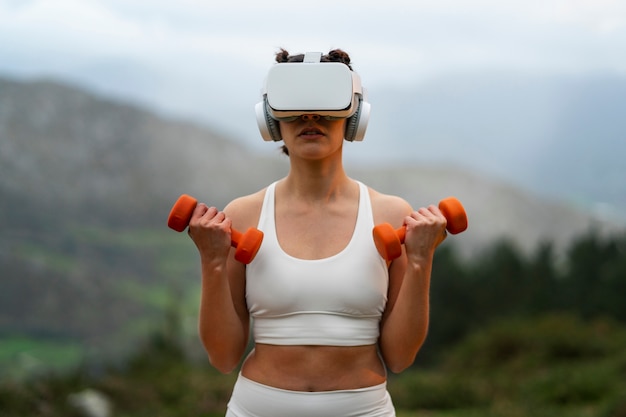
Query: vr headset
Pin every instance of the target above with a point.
(328, 89)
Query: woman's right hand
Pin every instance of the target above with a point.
(210, 230)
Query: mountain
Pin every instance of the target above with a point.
(87, 182)
(559, 136)
(63, 146)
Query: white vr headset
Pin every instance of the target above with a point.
(328, 89)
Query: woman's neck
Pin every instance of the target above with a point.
(318, 181)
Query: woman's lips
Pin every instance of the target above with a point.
(310, 131)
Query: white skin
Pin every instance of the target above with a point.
(316, 206)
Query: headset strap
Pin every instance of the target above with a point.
(312, 57)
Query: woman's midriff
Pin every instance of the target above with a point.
(315, 368)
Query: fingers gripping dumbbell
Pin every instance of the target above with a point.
(389, 240)
(246, 244)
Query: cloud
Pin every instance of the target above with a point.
(600, 16)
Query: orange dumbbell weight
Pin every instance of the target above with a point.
(246, 244)
(389, 240)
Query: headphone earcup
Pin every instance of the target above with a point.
(357, 123)
(269, 128)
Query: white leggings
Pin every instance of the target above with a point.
(252, 399)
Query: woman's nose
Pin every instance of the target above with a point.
(310, 117)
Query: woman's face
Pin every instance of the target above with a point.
(312, 136)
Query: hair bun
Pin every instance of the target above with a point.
(282, 56)
(338, 55)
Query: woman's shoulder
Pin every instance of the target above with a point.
(388, 208)
(245, 211)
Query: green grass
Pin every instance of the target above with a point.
(23, 356)
(53, 259)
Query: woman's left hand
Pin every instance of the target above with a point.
(425, 230)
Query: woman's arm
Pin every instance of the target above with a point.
(223, 319)
(405, 321)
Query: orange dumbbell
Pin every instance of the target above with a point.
(246, 244)
(389, 240)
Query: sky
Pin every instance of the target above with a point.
(207, 59)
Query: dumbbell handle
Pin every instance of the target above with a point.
(453, 211)
(246, 244)
(388, 241)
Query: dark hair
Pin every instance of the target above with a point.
(335, 55)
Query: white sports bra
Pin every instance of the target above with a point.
(335, 301)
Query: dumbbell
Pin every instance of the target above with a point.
(389, 240)
(246, 244)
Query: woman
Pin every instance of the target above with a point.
(330, 314)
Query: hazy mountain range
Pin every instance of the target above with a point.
(561, 136)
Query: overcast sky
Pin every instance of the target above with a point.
(192, 49)
(427, 36)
